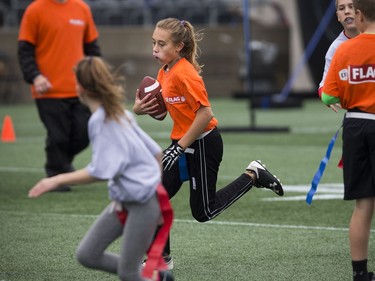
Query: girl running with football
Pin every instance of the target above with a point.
(125, 156)
(195, 136)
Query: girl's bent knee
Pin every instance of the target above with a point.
(200, 217)
(126, 275)
(85, 258)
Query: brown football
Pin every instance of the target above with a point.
(151, 86)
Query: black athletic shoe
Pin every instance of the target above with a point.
(264, 178)
(165, 276)
(168, 261)
(362, 276)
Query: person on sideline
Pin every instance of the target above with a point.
(345, 16)
(54, 35)
(195, 137)
(351, 83)
(125, 156)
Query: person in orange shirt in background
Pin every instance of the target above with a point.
(54, 35)
(194, 135)
(351, 83)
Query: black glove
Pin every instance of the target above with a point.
(171, 155)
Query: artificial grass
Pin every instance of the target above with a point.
(252, 240)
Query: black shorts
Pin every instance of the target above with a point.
(359, 158)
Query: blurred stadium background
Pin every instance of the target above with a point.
(308, 243)
(279, 33)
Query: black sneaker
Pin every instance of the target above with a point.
(361, 275)
(165, 276)
(168, 261)
(264, 178)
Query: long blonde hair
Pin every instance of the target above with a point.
(183, 31)
(96, 76)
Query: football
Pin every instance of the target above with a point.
(150, 85)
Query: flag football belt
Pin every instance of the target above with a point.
(182, 164)
(155, 261)
(360, 115)
(319, 173)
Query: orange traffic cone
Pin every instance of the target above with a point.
(8, 134)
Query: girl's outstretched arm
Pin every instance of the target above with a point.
(48, 184)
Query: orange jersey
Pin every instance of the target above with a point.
(184, 93)
(58, 31)
(351, 76)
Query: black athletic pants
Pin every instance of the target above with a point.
(203, 160)
(66, 123)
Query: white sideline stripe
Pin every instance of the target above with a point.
(330, 188)
(221, 223)
(327, 191)
(314, 130)
(303, 197)
(21, 169)
(266, 225)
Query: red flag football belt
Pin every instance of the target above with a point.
(155, 261)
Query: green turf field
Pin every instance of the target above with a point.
(261, 237)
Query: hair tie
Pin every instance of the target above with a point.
(182, 22)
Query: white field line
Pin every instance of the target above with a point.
(266, 225)
(327, 191)
(215, 222)
(21, 169)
